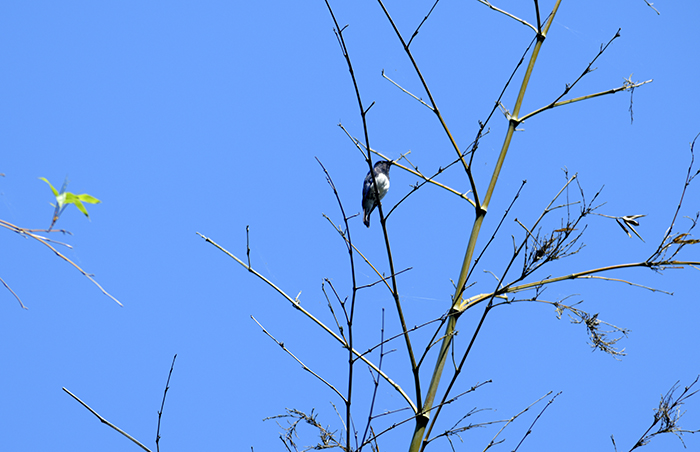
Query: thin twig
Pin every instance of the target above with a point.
(586, 71)
(493, 440)
(624, 87)
(105, 421)
(382, 218)
(40, 239)
(583, 274)
(162, 404)
(13, 293)
(304, 366)
(415, 33)
(651, 5)
(376, 384)
(342, 234)
(406, 91)
(295, 303)
(460, 155)
(349, 318)
(529, 430)
(431, 178)
(524, 22)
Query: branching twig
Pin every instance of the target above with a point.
(42, 240)
(415, 33)
(467, 168)
(382, 218)
(680, 240)
(570, 86)
(297, 305)
(529, 430)
(493, 441)
(667, 415)
(627, 85)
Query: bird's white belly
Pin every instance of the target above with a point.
(382, 184)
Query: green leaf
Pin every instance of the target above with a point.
(88, 199)
(64, 198)
(70, 198)
(55, 192)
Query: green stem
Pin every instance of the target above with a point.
(419, 435)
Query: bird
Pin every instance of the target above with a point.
(369, 201)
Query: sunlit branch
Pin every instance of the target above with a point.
(458, 303)
(304, 366)
(342, 234)
(624, 87)
(582, 275)
(455, 398)
(376, 382)
(651, 5)
(460, 155)
(482, 125)
(44, 241)
(330, 307)
(386, 341)
(407, 92)
(428, 179)
(498, 227)
(667, 240)
(13, 293)
(105, 421)
(297, 305)
(410, 170)
(524, 22)
(382, 218)
(348, 318)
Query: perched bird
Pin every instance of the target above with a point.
(381, 175)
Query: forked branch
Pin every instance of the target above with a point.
(297, 305)
(45, 241)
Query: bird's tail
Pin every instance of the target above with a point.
(365, 218)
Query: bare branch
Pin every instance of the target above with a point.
(297, 305)
(44, 241)
(626, 86)
(651, 5)
(326, 437)
(407, 92)
(460, 155)
(304, 366)
(529, 430)
(105, 421)
(165, 393)
(493, 442)
(415, 33)
(13, 293)
(678, 240)
(524, 22)
(667, 416)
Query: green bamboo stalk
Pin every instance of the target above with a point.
(424, 415)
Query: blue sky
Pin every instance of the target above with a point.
(186, 117)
